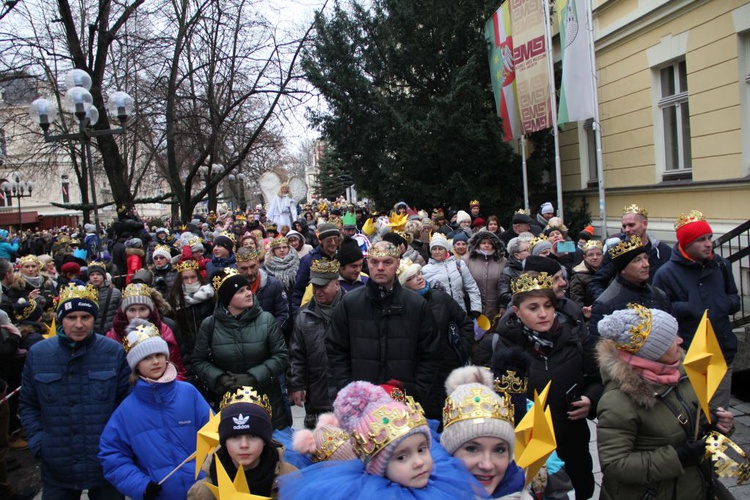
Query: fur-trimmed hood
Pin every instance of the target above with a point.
(135, 251)
(20, 284)
(486, 235)
(615, 369)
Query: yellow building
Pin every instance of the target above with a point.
(674, 104)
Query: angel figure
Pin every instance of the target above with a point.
(283, 209)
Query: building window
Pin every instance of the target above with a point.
(675, 116)
(65, 188)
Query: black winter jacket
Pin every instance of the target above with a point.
(109, 302)
(378, 338)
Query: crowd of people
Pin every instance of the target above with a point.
(117, 344)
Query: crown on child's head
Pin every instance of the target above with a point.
(389, 423)
(139, 334)
(186, 265)
(333, 439)
(246, 394)
(137, 290)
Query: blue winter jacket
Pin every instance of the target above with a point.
(150, 434)
(67, 397)
(6, 249)
(216, 264)
(692, 288)
(272, 298)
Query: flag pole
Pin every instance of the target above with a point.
(553, 105)
(596, 124)
(525, 173)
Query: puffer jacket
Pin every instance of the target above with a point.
(273, 298)
(511, 271)
(303, 275)
(377, 336)
(250, 343)
(135, 261)
(619, 294)
(637, 433)
(308, 362)
(19, 288)
(217, 264)
(189, 317)
(109, 302)
(153, 413)
(578, 289)
(692, 288)
(67, 398)
(8, 249)
(457, 280)
(486, 270)
(163, 279)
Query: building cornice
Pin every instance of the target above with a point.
(669, 186)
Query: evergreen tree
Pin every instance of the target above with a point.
(410, 106)
(330, 174)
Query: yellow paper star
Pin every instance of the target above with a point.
(232, 490)
(51, 330)
(705, 364)
(535, 436)
(207, 440)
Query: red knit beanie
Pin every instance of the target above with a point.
(689, 227)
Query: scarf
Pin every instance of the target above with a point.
(204, 293)
(261, 478)
(283, 269)
(486, 253)
(327, 310)
(543, 342)
(653, 371)
(423, 292)
(169, 375)
(191, 288)
(36, 281)
(512, 482)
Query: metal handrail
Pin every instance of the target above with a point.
(735, 247)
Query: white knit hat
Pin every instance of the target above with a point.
(462, 216)
(547, 208)
(142, 339)
(621, 325)
(162, 250)
(470, 390)
(438, 240)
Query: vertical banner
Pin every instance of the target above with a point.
(577, 89)
(497, 32)
(530, 58)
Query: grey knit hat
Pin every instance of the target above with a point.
(627, 327)
(327, 229)
(473, 410)
(136, 293)
(142, 339)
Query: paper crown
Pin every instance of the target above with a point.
(689, 218)
(478, 404)
(246, 394)
(277, 242)
(383, 250)
(333, 439)
(511, 383)
(75, 241)
(522, 211)
(193, 241)
(137, 290)
(162, 248)
(536, 240)
(640, 332)
(187, 265)
(26, 259)
(437, 212)
(271, 226)
(247, 254)
(474, 203)
(219, 279)
(389, 423)
(624, 247)
(28, 310)
(635, 209)
(141, 333)
(97, 263)
(526, 283)
(229, 235)
(73, 291)
(592, 244)
(323, 266)
(349, 219)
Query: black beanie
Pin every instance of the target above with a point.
(229, 285)
(541, 265)
(395, 238)
(223, 241)
(349, 251)
(238, 419)
(621, 261)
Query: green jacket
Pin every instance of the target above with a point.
(250, 343)
(637, 433)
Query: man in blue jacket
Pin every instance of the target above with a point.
(695, 279)
(72, 384)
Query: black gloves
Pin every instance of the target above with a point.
(226, 381)
(152, 490)
(242, 379)
(474, 314)
(691, 452)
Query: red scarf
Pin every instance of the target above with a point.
(653, 371)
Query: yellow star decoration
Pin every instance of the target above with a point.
(232, 490)
(535, 436)
(207, 440)
(705, 364)
(51, 330)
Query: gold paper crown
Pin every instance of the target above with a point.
(247, 254)
(26, 259)
(478, 404)
(536, 240)
(63, 239)
(219, 279)
(97, 263)
(592, 244)
(689, 218)
(28, 310)
(186, 265)
(73, 291)
(322, 266)
(75, 241)
(389, 423)
(137, 290)
(474, 202)
(640, 332)
(162, 248)
(405, 264)
(246, 394)
(278, 241)
(229, 235)
(624, 247)
(522, 211)
(635, 209)
(526, 283)
(333, 439)
(141, 333)
(511, 383)
(193, 241)
(390, 250)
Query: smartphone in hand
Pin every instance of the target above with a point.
(572, 395)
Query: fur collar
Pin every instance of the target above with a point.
(135, 251)
(614, 369)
